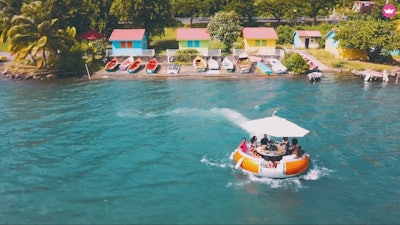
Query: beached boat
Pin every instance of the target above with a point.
(212, 64)
(277, 66)
(243, 63)
(151, 65)
(314, 76)
(284, 165)
(3, 58)
(125, 64)
(199, 64)
(227, 64)
(173, 69)
(133, 67)
(112, 65)
(263, 69)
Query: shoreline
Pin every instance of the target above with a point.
(185, 72)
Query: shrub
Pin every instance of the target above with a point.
(186, 55)
(295, 63)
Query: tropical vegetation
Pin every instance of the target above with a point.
(42, 33)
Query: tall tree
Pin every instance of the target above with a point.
(34, 33)
(99, 15)
(70, 13)
(373, 36)
(8, 8)
(276, 8)
(188, 8)
(245, 9)
(225, 26)
(152, 15)
(314, 8)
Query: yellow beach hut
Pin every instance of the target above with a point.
(259, 40)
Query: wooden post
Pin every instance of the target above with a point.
(88, 73)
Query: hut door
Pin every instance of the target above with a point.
(307, 42)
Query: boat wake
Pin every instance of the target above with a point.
(229, 114)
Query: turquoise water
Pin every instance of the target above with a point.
(157, 152)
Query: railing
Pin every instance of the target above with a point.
(171, 53)
(130, 52)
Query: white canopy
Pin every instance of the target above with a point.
(274, 126)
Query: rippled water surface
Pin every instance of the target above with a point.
(157, 152)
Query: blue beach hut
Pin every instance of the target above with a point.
(128, 42)
(263, 69)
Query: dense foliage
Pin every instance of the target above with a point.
(41, 31)
(295, 63)
(376, 37)
(225, 27)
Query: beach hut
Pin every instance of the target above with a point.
(259, 40)
(89, 35)
(333, 46)
(128, 42)
(306, 38)
(193, 38)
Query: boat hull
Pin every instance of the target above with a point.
(135, 66)
(126, 63)
(263, 69)
(151, 66)
(227, 64)
(199, 64)
(288, 166)
(112, 65)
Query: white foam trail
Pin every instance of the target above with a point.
(215, 164)
(229, 114)
(316, 173)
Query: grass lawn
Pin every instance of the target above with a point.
(161, 43)
(330, 60)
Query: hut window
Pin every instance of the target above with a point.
(123, 44)
(257, 42)
(264, 42)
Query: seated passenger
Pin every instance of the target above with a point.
(265, 140)
(243, 146)
(295, 146)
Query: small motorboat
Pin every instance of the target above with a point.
(151, 65)
(243, 63)
(133, 67)
(213, 64)
(314, 76)
(112, 65)
(125, 64)
(199, 64)
(263, 69)
(173, 69)
(277, 66)
(227, 64)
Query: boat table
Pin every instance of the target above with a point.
(268, 154)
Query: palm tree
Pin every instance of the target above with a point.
(33, 33)
(8, 8)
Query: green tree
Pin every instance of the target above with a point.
(8, 8)
(245, 9)
(276, 8)
(33, 33)
(189, 8)
(225, 27)
(152, 15)
(375, 37)
(314, 8)
(285, 34)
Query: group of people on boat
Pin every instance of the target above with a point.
(269, 144)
